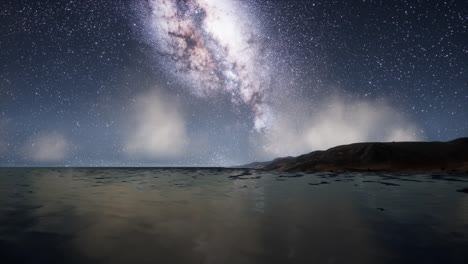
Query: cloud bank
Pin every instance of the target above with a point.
(49, 147)
(157, 128)
(335, 122)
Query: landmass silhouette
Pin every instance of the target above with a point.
(451, 156)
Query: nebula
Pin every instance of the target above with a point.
(214, 45)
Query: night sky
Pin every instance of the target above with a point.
(224, 82)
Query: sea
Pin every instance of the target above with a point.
(222, 215)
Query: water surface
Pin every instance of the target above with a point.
(124, 215)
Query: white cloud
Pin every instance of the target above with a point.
(50, 147)
(336, 122)
(157, 127)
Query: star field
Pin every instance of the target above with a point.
(73, 75)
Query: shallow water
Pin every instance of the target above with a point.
(111, 215)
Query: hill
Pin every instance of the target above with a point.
(449, 156)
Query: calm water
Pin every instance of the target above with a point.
(230, 216)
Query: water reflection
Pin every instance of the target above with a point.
(229, 216)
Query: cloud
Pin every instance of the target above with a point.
(157, 128)
(298, 130)
(49, 147)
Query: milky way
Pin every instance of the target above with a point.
(213, 45)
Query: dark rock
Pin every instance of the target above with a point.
(291, 176)
(384, 183)
(320, 183)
